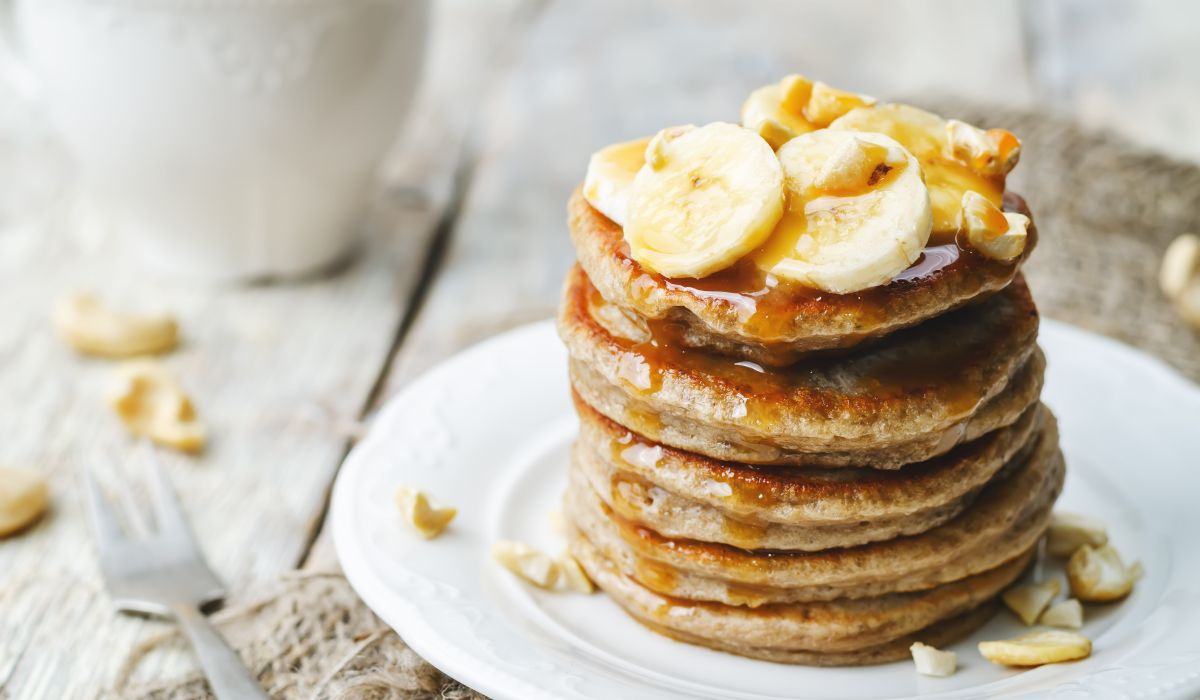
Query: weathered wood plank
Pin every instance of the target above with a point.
(276, 371)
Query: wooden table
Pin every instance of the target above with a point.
(467, 240)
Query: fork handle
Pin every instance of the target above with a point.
(227, 675)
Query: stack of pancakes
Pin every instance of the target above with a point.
(800, 476)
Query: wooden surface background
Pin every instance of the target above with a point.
(468, 239)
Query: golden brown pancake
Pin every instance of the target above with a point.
(742, 312)
(680, 494)
(1006, 519)
(909, 397)
(834, 627)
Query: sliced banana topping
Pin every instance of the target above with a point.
(858, 212)
(1098, 575)
(706, 197)
(610, 175)
(997, 234)
(924, 134)
(826, 103)
(1070, 531)
(794, 106)
(1037, 648)
(1067, 613)
(1029, 600)
(994, 152)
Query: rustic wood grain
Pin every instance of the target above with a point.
(279, 373)
(282, 373)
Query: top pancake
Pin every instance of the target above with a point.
(743, 312)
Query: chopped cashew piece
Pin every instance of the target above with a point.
(428, 519)
(1070, 531)
(1180, 265)
(931, 661)
(994, 152)
(527, 562)
(996, 234)
(574, 578)
(95, 329)
(24, 497)
(1029, 600)
(1037, 648)
(148, 399)
(1097, 574)
(1067, 613)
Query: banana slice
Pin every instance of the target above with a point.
(610, 174)
(858, 212)
(947, 175)
(796, 105)
(1037, 648)
(705, 198)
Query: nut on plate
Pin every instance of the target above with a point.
(151, 403)
(428, 519)
(574, 578)
(1098, 575)
(95, 329)
(1037, 648)
(534, 566)
(931, 661)
(1070, 531)
(1030, 599)
(24, 498)
(1067, 613)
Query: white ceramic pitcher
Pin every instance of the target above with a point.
(225, 139)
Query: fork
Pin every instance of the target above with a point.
(164, 573)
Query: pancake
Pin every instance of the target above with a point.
(742, 312)
(678, 494)
(834, 627)
(1007, 518)
(940, 634)
(914, 395)
(796, 495)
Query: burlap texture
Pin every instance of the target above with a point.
(1106, 211)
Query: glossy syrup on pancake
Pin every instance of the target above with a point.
(768, 307)
(889, 372)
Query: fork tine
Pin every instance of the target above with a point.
(167, 510)
(105, 524)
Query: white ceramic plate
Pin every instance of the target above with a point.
(488, 431)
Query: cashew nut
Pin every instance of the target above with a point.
(24, 497)
(148, 399)
(95, 329)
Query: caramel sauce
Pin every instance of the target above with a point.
(899, 368)
(655, 575)
(768, 307)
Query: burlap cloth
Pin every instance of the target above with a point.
(1106, 211)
